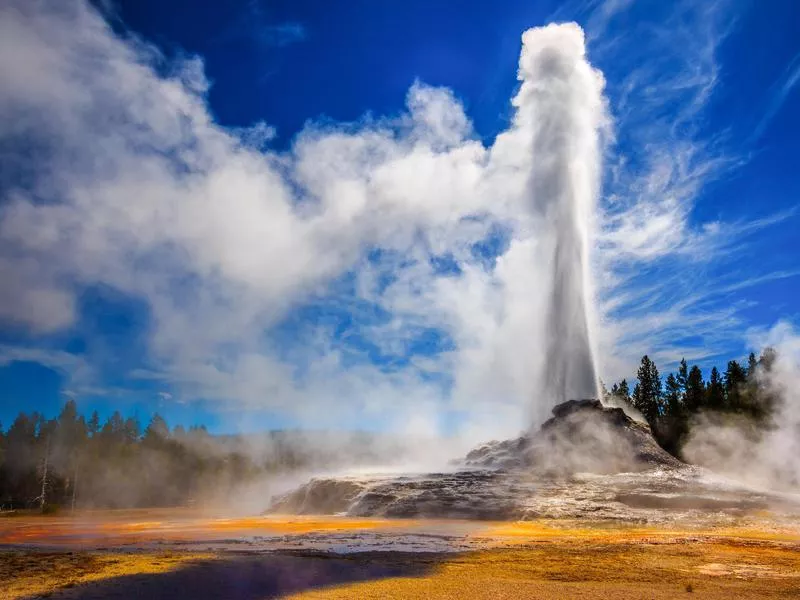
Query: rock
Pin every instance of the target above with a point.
(501, 480)
(571, 406)
(320, 496)
(582, 436)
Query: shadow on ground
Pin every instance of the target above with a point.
(252, 577)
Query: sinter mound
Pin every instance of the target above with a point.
(512, 479)
(583, 436)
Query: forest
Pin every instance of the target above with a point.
(672, 405)
(71, 461)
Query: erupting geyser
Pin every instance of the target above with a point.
(556, 135)
(560, 105)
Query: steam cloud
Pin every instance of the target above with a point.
(126, 182)
(762, 458)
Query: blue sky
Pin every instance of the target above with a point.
(165, 299)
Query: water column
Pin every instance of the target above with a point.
(561, 107)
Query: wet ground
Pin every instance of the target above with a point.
(183, 554)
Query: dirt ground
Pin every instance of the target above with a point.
(145, 555)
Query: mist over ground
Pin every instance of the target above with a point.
(740, 447)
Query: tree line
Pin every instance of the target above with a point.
(72, 461)
(669, 406)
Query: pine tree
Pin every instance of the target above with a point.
(46, 430)
(157, 431)
(93, 426)
(766, 399)
(71, 440)
(767, 359)
(620, 392)
(132, 429)
(624, 391)
(114, 428)
(752, 366)
(735, 381)
(673, 396)
(647, 394)
(694, 397)
(683, 376)
(715, 391)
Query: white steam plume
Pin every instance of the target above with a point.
(561, 102)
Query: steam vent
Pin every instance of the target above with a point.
(587, 457)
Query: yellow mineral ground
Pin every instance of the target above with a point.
(757, 558)
(594, 569)
(140, 526)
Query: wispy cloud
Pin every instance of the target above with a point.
(282, 34)
(257, 25)
(780, 92)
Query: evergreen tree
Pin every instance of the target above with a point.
(695, 390)
(647, 394)
(132, 429)
(157, 430)
(20, 474)
(752, 365)
(621, 392)
(735, 380)
(715, 392)
(673, 396)
(624, 391)
(765, 399)
(93, 426)
(683, 376)
(71, 437)
(767, 359)
(114, 429)
(44, 451)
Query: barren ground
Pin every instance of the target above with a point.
(186, 554)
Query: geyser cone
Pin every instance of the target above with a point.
(560, 105)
